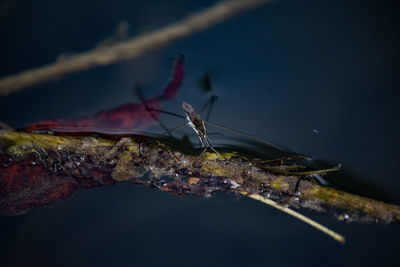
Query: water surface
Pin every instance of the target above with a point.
(318, 77)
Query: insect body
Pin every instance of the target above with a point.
(198, 125)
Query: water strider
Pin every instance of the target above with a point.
(194, 120)
(198, 125)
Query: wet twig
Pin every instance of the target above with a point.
(65, 163)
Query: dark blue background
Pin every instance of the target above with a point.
(280, 71)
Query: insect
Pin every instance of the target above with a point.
(198, 125)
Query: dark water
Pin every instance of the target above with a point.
(318, 77)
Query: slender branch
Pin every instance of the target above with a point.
(130, 49)
(299, 216)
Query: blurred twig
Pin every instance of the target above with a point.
(132, 48)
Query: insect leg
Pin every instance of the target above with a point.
(247, 134)
(202, 153)
(167, 132)
(210, 103)
(203, 145)
(209, 144)
(283, 159)
(166, 112)
(139, 93)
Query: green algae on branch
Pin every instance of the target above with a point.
(20, 143)
(172, 170)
